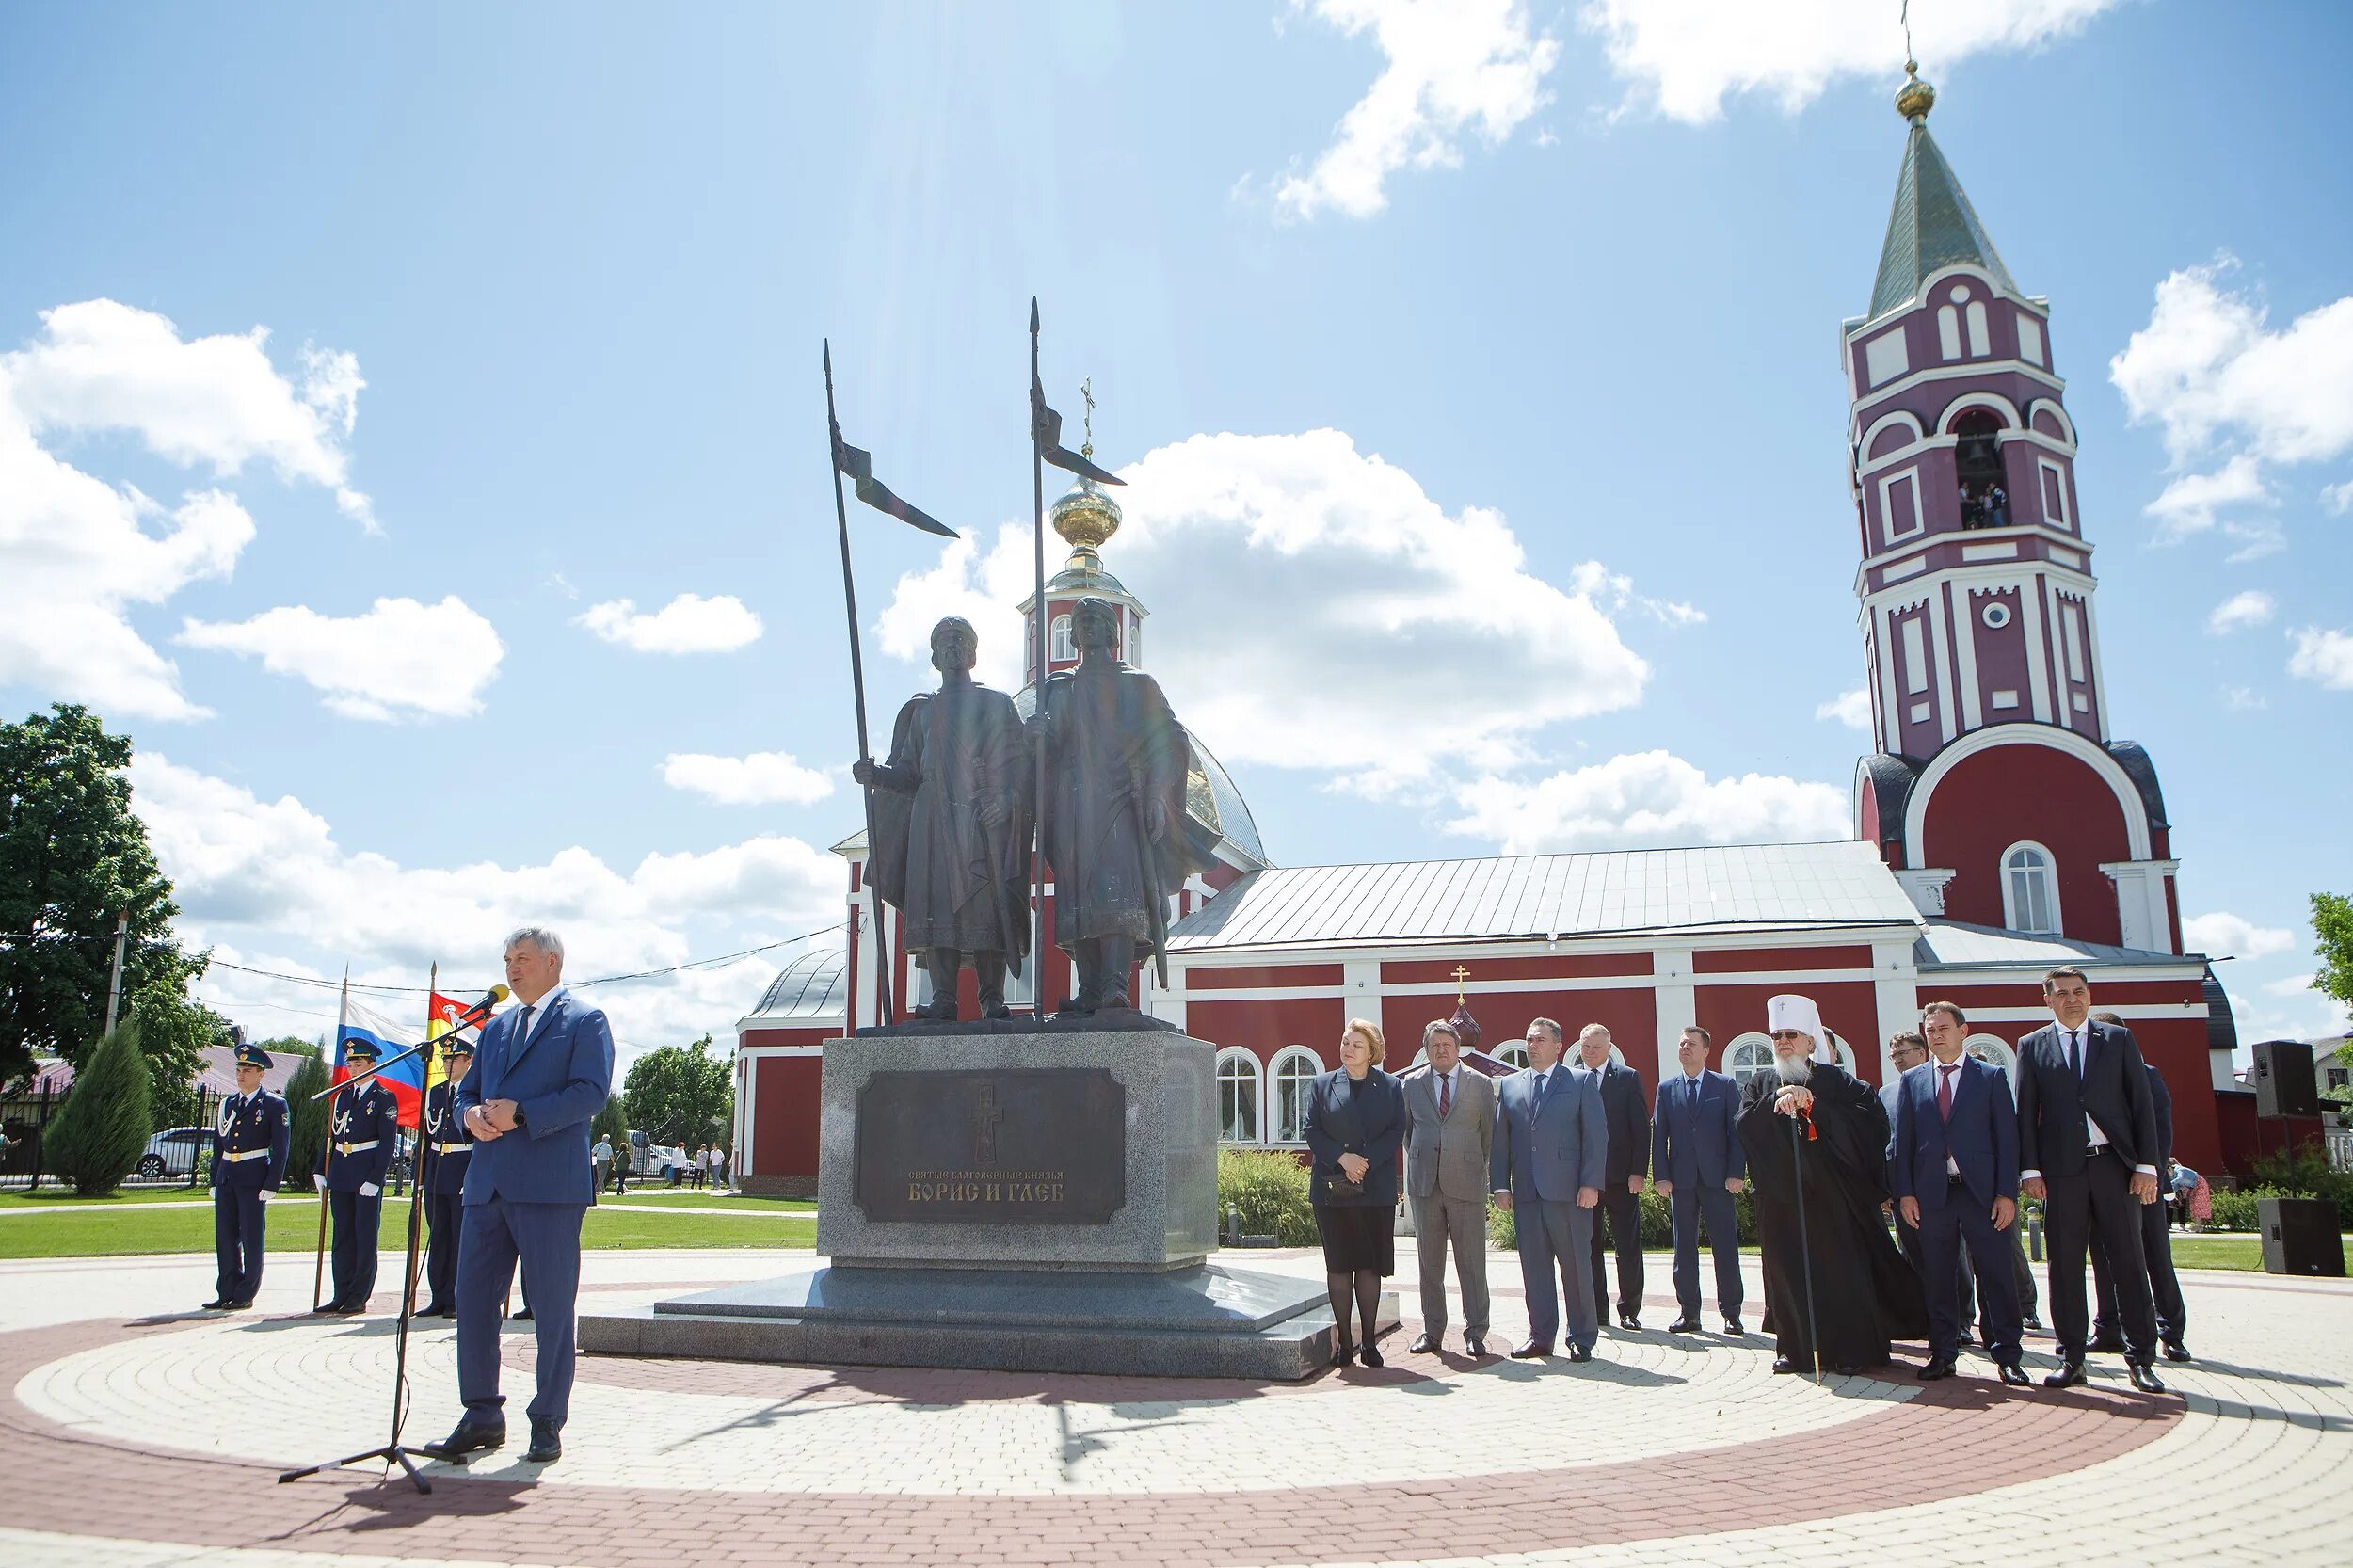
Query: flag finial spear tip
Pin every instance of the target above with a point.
(1033, 315)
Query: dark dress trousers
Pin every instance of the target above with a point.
(1954, 1160)
(2090, 1191)
(1550, 1141)
(446, 1149)
(1695, 1146)
(364, 1133)
(526, 1191)
(1364, 1116)
(1625, 1110)
(2156, 1245)
(249, 1159)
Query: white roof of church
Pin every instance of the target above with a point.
(1544, 896)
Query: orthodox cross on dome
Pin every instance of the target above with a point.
(1086, 392)
(1461, 974)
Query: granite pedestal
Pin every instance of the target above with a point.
(1043, 1201)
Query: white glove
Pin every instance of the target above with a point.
(368, 1188)
(319, 1181)
(267, 1193)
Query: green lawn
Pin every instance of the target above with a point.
(135, 1227)
(18, 1198)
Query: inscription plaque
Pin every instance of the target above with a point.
(1010, 1145)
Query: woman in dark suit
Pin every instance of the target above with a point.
(1356, 1124)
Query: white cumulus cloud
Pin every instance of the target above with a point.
(2254, 607)
(78, 552)
(1648, 799)
(2211, 372)
(2222, 934)
(1851, 708)
(401, 660)
(2322, 655)
(688, 624)
(1407, 638)
(1452, 69)
(1685, 57)
(269, 878)
(761, 779)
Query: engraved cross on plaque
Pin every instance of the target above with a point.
(985, 1119)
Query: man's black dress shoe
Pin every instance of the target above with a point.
(2176, 1351)
(1732, 1327)
(1688, 1323)
(1941, 1367)
(1783, 1365)
(1579, 1353)
(1424, 1344)
(472, 1434)
(1965, 1342)
(2071, 1373)
(1474, 1347)
(218, 1303)
(327, 1309)
(1629, 1321)
(2014, 1374)
(348, 1309)
(1371, 1354)
(1530, 1351)
(546, 1448)
(2034, 1323)
(2106, 1344)
(2144, 1376)
(524, 1316)
(243, 1303)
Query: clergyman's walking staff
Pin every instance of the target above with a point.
(1805, 1254)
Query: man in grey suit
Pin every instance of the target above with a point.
(1448, 1140)
(1551, 1147)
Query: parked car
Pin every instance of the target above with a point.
(652, 1162)
(174, 1151)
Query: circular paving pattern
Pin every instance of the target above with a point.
(1661, 1450)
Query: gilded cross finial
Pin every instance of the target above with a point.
(1461, 974)
(1086, 391)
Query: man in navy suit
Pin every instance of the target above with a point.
(249, 1162)
(1551, 1146)
(2088, 1148)
(1955, 1176)
(543, 1071)
(364, 1133)
(2156, 1246)
(1628, 1120)
(1696, 1162)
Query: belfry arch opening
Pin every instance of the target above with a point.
(1977, 469)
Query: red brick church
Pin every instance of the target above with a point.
(2000, 827)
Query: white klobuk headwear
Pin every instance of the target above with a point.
(1791, 1011)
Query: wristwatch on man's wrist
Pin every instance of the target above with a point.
(518, 1113)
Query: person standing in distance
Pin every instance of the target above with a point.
(1452, 1113)
(1621, 1177)
(362, 1131)
(445, 1149)
(543, 1071)
(1552, 1143)
(1697, 1165)
(2088, 1149)
(249, 1162)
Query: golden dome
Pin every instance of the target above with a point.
(1084, 516)
(1915, 98)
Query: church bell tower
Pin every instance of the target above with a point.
(1996, 790)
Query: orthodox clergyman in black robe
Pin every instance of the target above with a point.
(1863, 1293)
(1112, 822)
(952, 829)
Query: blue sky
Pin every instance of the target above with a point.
(1493, 499)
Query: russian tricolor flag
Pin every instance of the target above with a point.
(406, 1080)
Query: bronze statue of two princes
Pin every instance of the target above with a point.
(954, 814)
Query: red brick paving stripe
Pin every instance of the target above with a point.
(121, 1492)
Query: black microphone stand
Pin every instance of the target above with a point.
(393, 1451)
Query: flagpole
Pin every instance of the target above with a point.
(1037, 707)
(857, 689)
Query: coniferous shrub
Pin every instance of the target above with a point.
(306, 1127)
(104, 1126)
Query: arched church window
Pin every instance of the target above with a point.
(1987, 1047)
(1237, 1096)
(1511, 1053)
(1061, 647)
(1295, 1068)
(2029, 889)
(1977, 467)
(1747, 1055)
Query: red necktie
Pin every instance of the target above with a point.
(1945, 1090)
(1446, 1095)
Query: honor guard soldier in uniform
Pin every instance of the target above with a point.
(249, 1162)
(360, 1141)
(446, 1146)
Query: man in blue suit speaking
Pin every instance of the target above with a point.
(544, 1070)
(1547, 1165)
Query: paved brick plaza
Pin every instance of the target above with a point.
(135, 1434)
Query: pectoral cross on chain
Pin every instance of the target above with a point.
(985, 1119)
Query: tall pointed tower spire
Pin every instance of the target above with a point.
(1997, 792)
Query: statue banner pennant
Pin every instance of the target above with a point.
(859, 466)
